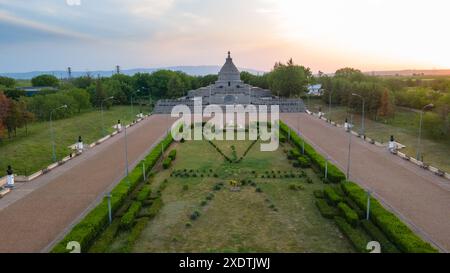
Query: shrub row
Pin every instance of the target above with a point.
(134, 234)
(166, 163)
(356, 236)
(326, 210)
(92, 224)
(173, 154)
(404, 239)
(155, 207)
(220, 151)
(349, 214)
(377, 235)
(331, 195)
(246, 151)
(127, 220)
(303, 161)
(334, 174)
(144, 193)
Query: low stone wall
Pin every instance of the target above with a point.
(421, 164)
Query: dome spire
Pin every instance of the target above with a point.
(229, 55)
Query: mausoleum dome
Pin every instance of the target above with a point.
(229, 71)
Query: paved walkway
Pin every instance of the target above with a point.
(38, 213)
(421, 198)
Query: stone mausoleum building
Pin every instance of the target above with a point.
(230, 90)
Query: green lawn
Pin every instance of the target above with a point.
(32, 152)
(404, 126)
(276, 219)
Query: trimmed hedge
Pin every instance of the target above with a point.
(127, 220)
(334, 174)
(303, 161)
(356, 236)
(94, 223)
(331, 195)
(349, 214)
(293, 154)
(166, 163)
(155, 207)
(356, 208)
(144, 193)
(134, 234)
(396, 231)
(325, 210)
(377, 235)
(103, 242)
(173, 154)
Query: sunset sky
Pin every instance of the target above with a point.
(321, 34)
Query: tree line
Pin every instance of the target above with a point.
(87, 92)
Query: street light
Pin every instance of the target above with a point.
(426, 107)
(103, 122)
(52, 133)
(329, 104)
(132, 112)
(349, 149)
(362, 122)
(126, 154)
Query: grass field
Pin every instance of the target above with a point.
(404, 126)
(267, 216)
(32, 152)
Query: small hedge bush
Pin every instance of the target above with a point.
(325, 210)
(293, 154)
(377, 235)
(172, 154)
(350, 215)
(331, 195)
(166, 163)
(144, 193)
(155, 207)
(127, 220)
(195, 215)
(396, 231)
(303, 161)
(134, 234)
(356, 236)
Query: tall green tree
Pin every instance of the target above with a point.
(45, 80)
(289, 79)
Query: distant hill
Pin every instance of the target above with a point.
(411, 72)
(191, 70)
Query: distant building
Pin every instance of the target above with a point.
(31, 90)
(315, 90)
(229, 89)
